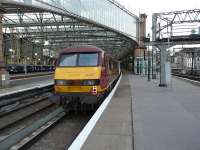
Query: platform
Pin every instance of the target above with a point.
(113, 131)
(20, 85)
(29, 75)
(163, 118)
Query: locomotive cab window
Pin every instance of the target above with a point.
(78, 59)
(88, 59)
(68, 60)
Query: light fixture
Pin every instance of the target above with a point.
(11, 50)
(46, 43)
(37, 41)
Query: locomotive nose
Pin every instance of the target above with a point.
(77, 73)
(77, 79)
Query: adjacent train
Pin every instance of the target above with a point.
(17, 68)
(84, 75)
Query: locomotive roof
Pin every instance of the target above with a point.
(84, 48)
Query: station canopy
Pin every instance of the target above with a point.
(59, 24)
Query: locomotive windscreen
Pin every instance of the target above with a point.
(78, 59)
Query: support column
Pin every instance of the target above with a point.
(149, 65)
(163, 82)
(4, 76)
(192, 68)
(154, 29)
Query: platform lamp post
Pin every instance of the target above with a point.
(149, 63)
(11, 54)
(25, 66)
(46, 43)
(36, 58)
(153, 64)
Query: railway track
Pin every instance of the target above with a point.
(23, 97)
(23, 124)
(62, 134)
(17, 106)
(191, 77)
(13, 116)
(17, 110)
(23, 136)
(23, 104)
(36, 134)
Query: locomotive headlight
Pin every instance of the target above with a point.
(60, 82)
(89, 82)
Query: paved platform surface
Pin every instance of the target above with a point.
(165, 118)
(25, 84)
(113, 130)
(29, 75)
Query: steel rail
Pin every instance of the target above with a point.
(5, 111)
(25, 133)
(19, 116)
(187, 79)
(16, 97)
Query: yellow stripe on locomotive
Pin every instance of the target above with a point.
(78, 79)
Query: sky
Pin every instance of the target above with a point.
(156, 6)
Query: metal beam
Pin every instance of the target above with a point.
(173, 43)
(35, 24)
(62, 30)
(164, 22)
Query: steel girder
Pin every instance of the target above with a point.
(35, 25)
(175, 23)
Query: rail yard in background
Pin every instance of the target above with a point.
(84, 74)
